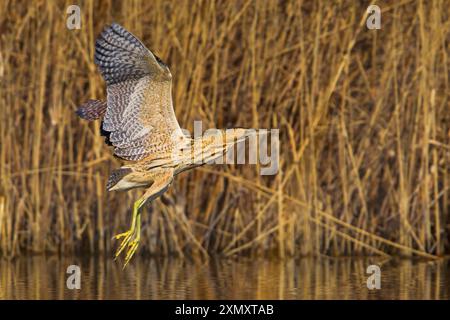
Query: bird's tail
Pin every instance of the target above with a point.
(92, 110)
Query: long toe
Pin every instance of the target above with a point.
(133, 245)
(121, 235)
(128, 235)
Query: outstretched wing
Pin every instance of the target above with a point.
(139, 114)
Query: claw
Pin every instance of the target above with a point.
(133, 245)
(124, 242)
(131, 237)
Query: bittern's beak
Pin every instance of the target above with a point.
(243, 134)
(237, 135)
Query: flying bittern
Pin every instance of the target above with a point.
(139, 121)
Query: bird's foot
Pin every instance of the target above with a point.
(128, 235)
(132, 247)
(131, 237)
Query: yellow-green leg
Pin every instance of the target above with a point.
(132, 246)
(132, 236)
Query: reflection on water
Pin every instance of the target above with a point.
(307, 278)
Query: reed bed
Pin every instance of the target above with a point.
(363, 118)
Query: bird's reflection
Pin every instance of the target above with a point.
(42, 277)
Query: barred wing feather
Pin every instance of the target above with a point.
(139, 114)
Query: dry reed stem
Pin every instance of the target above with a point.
(363, 116)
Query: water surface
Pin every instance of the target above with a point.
(240, 278)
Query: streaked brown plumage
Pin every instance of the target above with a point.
(139, 122)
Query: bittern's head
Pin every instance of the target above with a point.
(232, 136)
(226, 138)
(212, 145)
(214, 142)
